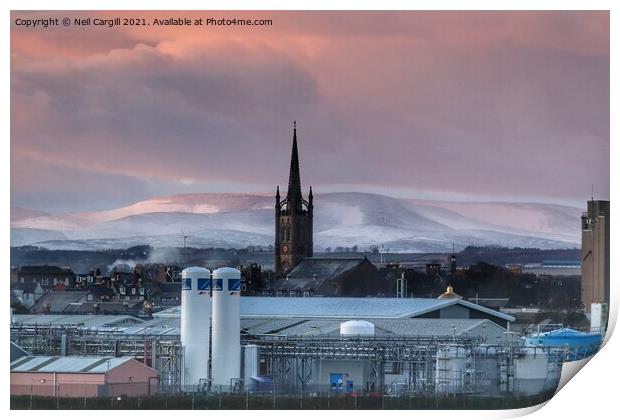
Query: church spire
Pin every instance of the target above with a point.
(294, 180)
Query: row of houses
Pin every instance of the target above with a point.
(52, 289)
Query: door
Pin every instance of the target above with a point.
(336, 381)
(349, 387)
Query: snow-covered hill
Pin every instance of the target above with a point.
(341, 219)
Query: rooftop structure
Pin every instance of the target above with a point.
(449, 294)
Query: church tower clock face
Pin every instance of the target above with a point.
(284, 249)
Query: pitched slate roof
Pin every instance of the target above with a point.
(43, 269)
(58, 301)
(324, 268)
(27, 287)
(312, 273)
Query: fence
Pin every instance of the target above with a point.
(274, 401)
(82, 390)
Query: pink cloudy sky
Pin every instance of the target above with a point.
(452, 105)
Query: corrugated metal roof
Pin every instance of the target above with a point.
(342, 308)
(89, 321)
(273, 326)
(415, 327)
(408, 327)
(67, 364)
(156, 326)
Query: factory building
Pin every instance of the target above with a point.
(81, 376)
(334, 345)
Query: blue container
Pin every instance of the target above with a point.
(577, 345)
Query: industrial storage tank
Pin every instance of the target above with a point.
(535, 371)
(226, 352)
(451, 369)
(357, 327)
(485, 369)
(195, 324)
(575, 344)
(251, 361)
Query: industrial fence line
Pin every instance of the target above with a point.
(275, 401)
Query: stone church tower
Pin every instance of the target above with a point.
(293, 220)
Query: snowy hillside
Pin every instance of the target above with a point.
(341, 219)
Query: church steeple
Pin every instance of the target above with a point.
(293, 233)
(294, 180)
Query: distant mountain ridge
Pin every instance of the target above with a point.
(341, 219)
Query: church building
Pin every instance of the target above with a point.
(293, 236)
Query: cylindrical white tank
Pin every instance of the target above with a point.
(226, 352)
(250, 364)
(531, 371)
(450, 369)
(357, 327)
(487, 369)
(195, 324)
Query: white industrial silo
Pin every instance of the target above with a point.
(357, 327)
(226, 352)
(531, 371)
(450, 369)
(195, 324)
(250, 364)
